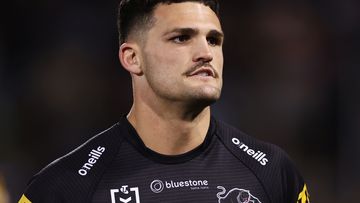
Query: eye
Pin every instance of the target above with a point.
(180, 39)
(214, 41)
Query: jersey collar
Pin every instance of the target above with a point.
(136, 141)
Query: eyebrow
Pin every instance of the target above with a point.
(192, 31)
(216, 33)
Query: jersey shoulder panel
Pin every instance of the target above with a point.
(71, 178)
(269, 163)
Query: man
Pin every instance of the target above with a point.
(169, 148)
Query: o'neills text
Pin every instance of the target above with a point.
(94, 155)
(257, 155)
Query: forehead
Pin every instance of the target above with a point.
(186, 14)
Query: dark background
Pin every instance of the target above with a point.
(291, 78)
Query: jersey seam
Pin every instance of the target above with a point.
(106, 168)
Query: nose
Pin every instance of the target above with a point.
(202, 51)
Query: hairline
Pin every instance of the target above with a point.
(141, 27)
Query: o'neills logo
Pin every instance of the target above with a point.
(257, 155)
(94, 155)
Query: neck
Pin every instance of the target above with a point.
(170, 131)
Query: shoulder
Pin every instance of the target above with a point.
(71, 176)
(263, 153)
(271, 164)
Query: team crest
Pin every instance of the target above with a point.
(235, 195)
(125, 195)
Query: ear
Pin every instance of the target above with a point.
(130, 59)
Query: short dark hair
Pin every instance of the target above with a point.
(136, 14)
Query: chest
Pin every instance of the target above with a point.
(213, 176)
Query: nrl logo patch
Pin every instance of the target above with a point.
(125, 195)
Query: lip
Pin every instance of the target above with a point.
(209, 71)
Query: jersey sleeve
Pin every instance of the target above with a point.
(282, 179)
(74, 176)
(293, 184)
(40, 195)
(277, 173)
(44, 187)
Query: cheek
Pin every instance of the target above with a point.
(168, 61)
(163, 68)
(219, 60)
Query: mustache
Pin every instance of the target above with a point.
(199, 65)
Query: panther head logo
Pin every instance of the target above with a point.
(235, 195)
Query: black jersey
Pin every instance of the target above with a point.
(115, 166)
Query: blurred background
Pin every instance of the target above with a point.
(291, 78)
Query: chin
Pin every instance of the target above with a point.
(201, 103)
(206, 99)
(210, 93)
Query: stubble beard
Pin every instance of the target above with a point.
(192, 99)
(205, 94)
(178, 92)
(186, 97)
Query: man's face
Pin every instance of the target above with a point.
(182, 57)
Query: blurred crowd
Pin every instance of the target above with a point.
(290, 77)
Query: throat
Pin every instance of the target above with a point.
(173, 136)
(177, 144)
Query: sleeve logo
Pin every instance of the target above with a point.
(24, 199)
(304, 196)
(258, 155)
(94, 155)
